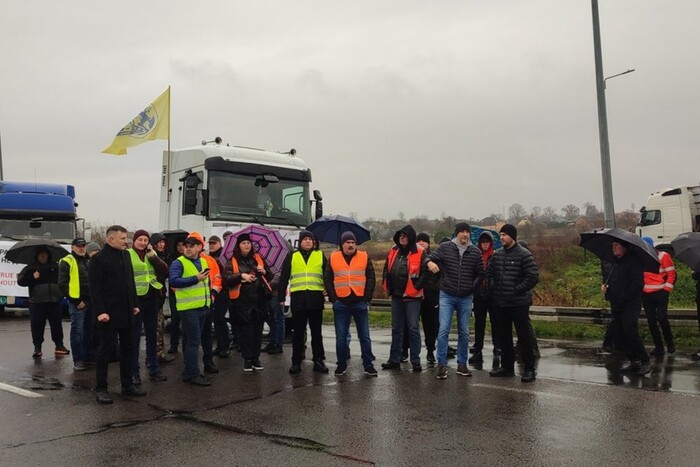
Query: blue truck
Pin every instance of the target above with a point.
(32, 210)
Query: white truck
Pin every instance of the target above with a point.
(668, 213)
(215, 187)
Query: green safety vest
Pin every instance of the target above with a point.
(144, 274)
(74, 281)
(306, 275)
(197, 295)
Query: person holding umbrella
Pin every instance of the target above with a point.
(623, 289)
(248, 278)
(41, 277)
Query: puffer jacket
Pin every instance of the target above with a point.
(512, 274)
(459, 275)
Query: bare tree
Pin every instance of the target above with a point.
(516, 211)
(536, 212)
(589, 209)
(549, 213)
(571, 212)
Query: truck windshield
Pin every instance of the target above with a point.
(236, 197)
(60, 231)
(651, 217)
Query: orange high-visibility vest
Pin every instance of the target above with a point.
(349, 277)
(413, 262)
(666, 277)
(235, 292)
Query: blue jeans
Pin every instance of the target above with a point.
(405, 314)
(79, 333)
(276, 322)
(192, 325)
(148, 320)
(463, 305)
(341, 317)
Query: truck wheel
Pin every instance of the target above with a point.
(2, 311)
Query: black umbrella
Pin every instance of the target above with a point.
(599, 242)
(686, 246)
(328, 229)
(24, 252)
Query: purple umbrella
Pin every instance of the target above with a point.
(268, 243)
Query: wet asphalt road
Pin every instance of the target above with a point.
(580, 410)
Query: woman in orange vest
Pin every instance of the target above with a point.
(248, 280)
(404, 277)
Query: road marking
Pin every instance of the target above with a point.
(20, 391)
(523, 391)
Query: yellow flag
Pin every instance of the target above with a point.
(152, 123)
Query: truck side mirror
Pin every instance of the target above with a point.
(319, 209)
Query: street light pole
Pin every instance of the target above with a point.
(608, 206)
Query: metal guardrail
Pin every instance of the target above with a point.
(678, 316)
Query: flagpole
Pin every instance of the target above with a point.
(167, 172)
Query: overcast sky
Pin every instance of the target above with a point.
(454, 107)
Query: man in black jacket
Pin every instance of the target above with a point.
(303, 272)
(461, 270)
(512, 274)
(623, 290)
(113, 294)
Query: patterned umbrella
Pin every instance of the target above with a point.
(269, 243)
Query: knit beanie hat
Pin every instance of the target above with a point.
(347, 236)
(92, 246)
(460, 226)
(423, 237)
(510, 230)
(141, 233)
(306, 234)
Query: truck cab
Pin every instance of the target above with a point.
(215, 187)
(31, 210)
(669, 213)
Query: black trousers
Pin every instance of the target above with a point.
(314, 319)
(429, 318)
(221, 304)
(39, 313)
(628, 318)
(656, 308)
(481, 307)
(107, 337)
(509, 316)
(250, 335)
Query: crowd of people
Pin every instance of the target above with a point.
(116, 295)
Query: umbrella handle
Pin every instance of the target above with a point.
(266, 283)
(609, 275)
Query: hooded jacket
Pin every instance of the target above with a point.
(396, 280)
